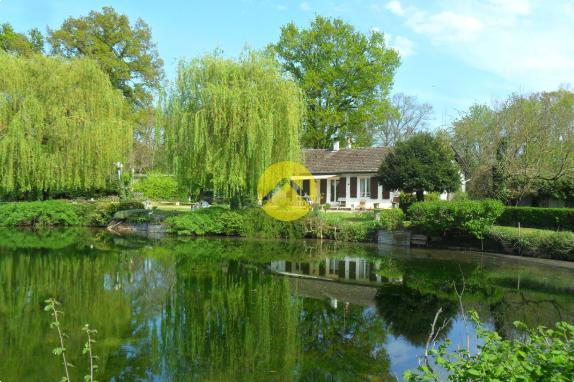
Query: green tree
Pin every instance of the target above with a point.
(20, 44)
(424, 162)
(62, 126)
(124, 51)
(518, 146)
(345, 75)
(227, 120)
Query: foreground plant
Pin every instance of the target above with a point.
(52, 306)
(541, 354)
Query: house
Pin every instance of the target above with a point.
(347, 177)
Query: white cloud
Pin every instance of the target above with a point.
(445, 26)
(403, 45)
(513, 7)
(395, 7)
(527, 43)
(305, 6)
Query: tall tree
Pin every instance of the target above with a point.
(62, 126)
(19, 43)
(227, 120)
(407, 118)
(424, 162)
(345, 75)
(519, 145)
(124, 51)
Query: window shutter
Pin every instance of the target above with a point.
(386, 194)
(353, 187)
(374, 188)
(342, 188)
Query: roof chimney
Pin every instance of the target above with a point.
(336, 146)
(349, 142)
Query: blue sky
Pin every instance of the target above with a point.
(454, 53)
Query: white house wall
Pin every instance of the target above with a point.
(354, 202)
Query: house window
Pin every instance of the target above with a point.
(364, 187)
(334, 187)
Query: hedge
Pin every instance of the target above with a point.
(533, 242)
(60, 213)
(254, 222)
(536, 217)
(466, 217)
(160, 187)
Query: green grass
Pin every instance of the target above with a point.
(533, 242)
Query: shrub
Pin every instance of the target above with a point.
(541, 354)
(466, 217)
(160, 187)
(101, 213)
(207, 221)
(534, 242)
(391, 219)
(536, 217)
(48, 213)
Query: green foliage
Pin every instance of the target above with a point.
(391, 219)
(254, 222)
(207, 221)
(464, 217)
(62, 126)
(422, 163)
(345, 75)
(48, 213)
(228, 120)
(61, 213)
(535, 217)
(510, 160)
(125, 52)
(20, 44)
(534, 242)
(160, 187)
(52, 306)
(541, 354)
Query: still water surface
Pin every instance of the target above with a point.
(238, 310)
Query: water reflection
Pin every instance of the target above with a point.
(229, 310)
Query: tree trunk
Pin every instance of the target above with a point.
(420, 196)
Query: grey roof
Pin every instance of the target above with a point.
(361, 160)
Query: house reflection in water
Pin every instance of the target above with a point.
(349, 269)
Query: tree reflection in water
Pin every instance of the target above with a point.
(186, 310)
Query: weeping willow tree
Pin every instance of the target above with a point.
(227, 120)
(62, 126)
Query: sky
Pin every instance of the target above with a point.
(453, 53)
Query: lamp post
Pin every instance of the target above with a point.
(119, 167)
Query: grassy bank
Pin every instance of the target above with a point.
(59, 213)
(531, 242)
(255, 223)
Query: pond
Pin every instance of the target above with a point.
(176, 309)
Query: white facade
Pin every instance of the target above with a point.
(363, 194)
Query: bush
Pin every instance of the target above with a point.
(207, 221)
(160, 187)
(466, 217)
(534, 242)
(48, 213)
(536, 217)
(101, 213)
(391, 219)
(541, 354)
(408, 199)
(254, 222)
